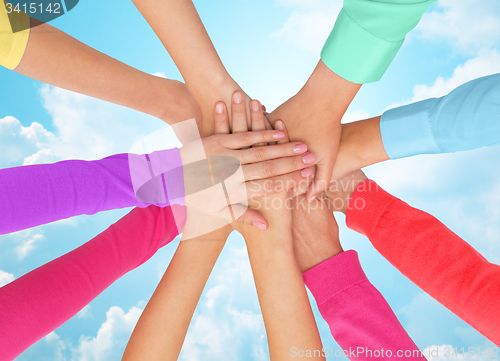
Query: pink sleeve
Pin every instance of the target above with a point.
(431, 256)
(37, 303)
(360, 319)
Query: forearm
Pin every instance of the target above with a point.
(467, 118)
(430, 255)
(360, 146)
(282, 296)
(38, 194)
(161, 330)
(358, 315)
(37, 303)
(180, 29)
(56, 58)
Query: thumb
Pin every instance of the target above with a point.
(251, 218)
(321, 181)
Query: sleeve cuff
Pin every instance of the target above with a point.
(14, 35)
(355, 54)
(366, 205)
(334, 275)
(407, 131)
(158, 178)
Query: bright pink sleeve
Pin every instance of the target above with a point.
(431, 256)
(37, 303)
(360, 319)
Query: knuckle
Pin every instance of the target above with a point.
(260, 154)
(270, 170)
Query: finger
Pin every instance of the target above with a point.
(275, 167)
(301, 189)
(247, 139)
(239, 113)
(264, 108)
(280, 125)
(261, 154)
(258, 120)
(221, 119)
(252, 218)
(321, 181)
(260, 188)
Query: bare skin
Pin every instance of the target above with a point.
(56, 58)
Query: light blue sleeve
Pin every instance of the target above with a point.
(465, 119)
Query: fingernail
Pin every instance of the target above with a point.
(290, 194)
(279, 125)
(300, 148)
(255, 106)
(260, 225)
(312, 198)
(306, 172)
(238, 98)
(219, 108)
(278, 135)
(308, 158)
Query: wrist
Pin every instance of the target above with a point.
(332, 91)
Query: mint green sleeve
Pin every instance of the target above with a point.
(367, 36)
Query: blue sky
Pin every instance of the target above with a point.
(270, 47)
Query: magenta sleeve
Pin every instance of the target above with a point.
(37, 303)
(360, 319)
(38, 194)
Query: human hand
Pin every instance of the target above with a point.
(313, 116)
(340, 192)
(315, 232)
(265, 170)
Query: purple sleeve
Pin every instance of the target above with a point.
(360, 319)
(38, 194)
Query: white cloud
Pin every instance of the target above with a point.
(5, 278)
(466, 25)
(159, 74)
(28, 245)
(111, 338)
(487, 62)
(18, 142)
(309, 24)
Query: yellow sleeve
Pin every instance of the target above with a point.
(12, 43)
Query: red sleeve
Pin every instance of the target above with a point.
(37, 303)
(430, 255)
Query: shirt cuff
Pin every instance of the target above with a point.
(158, 178)
(14, 35)
(355, 54)
(334, 275)
(366, 205)
(407, 131)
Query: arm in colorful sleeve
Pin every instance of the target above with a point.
(431, 256)
(37, 303)
(360, 319)
(14, 34)
(367, 36)
(38, 194)
(465, 119)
